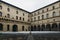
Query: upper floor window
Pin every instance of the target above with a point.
(59, 4)
(28, 20)
(54, 14)
(16, 12)
(34, 14)
(20, 18)
(34, 18)
(53, 7)
(42, 11)
(47, 9)
(23, 14)
(42, 16)
(17, 17)
(47, 15)
(5, 16)
(59, 12)
(28, 15)
(38, 13)
(0, 13)
(0, 7)
(8, 9)
(23, 19)
(31, 19)
(38, 17)
(8, 15)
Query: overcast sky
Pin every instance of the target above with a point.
(30, 5)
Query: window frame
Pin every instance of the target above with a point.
(47, 16)
(16, 17)
(1, 14)
(0, 6)
(8, 9)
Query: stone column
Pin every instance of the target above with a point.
(51, 26)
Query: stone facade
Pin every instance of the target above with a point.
(11, 15)
(13, 18)
(46, 18)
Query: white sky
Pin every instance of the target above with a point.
(30, 5)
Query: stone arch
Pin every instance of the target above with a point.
(31, 28)
(1, 26)
(22, 28)
(59, 26)
(43, 27)
(38, 28)
(34, 28)
(15, 28)
(48, 27)
(54, 27)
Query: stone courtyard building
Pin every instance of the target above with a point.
(43, 22)
(13, 18)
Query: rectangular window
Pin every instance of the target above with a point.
(42, 11)
(17, 17)
(23, 14)
(38, 12)
(59, 12)
(53, 7)
(31, 14)
(42, 17)
(16, 12)
(22, 28)
(8, 15)
(47, 15)
(8, 9)
(59, 4)
(34, 18)
(34, 14)
(54, 14)
(0, 13)
(38, 17)
(31, 19)
(47, 9)
(20, 18)
(23, 19)
(0, 7)
(28, 20)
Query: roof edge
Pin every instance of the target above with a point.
(28, 11)
(46, 6)
(14, 6)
